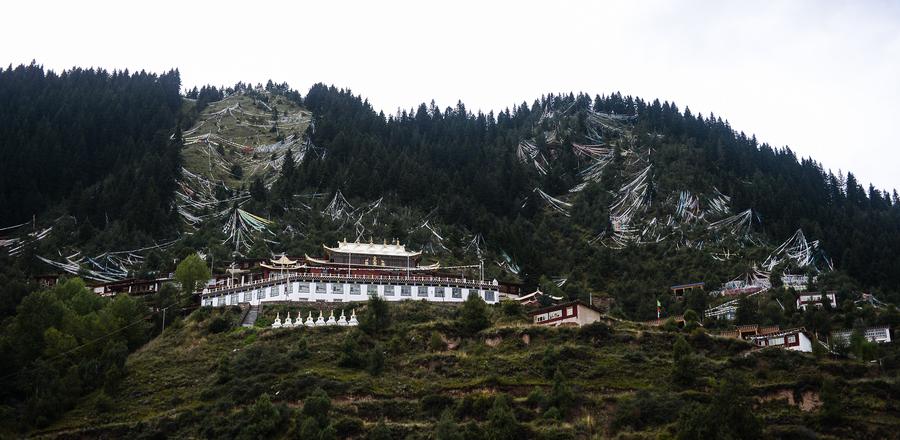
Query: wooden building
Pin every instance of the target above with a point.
(880, 334)
(795, 339)
(816, 299)
(575, 313)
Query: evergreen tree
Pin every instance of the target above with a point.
(684, 363)
(502, 423)
(376, 317)
(447, 428)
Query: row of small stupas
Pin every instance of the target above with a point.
(351, 272)
(278, 323)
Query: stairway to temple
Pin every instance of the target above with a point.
(250, 319)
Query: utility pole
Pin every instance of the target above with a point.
(164, 321)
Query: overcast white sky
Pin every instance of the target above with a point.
(822, 77)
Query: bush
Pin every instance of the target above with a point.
(375, 361)
(511, 308)
(447, 428)
(561, 396)
(645, 410)
(536, 398)
(435, 404)
(436, 343)
(553, 414)
(219, 324)
(349, 427)
(317, 406)
(104, 403)
(350, 354)
(473, 316)
(502, 423)
(380, 432)
(594, 332)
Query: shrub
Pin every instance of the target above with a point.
(219, 324)
(317, 406)
(645, 410)
(375, 361)
(434, 404)
(502, 423)
(511, 308)
(349, 427)
(436, 343)
(553, 414)
(380, 432)
(473, 316)
(447, 428)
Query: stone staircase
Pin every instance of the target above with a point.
(250, 318)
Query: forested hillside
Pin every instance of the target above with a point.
(89, 143)
(598, 191)
(110, 176)
(465, 166)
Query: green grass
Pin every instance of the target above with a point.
(189, 376)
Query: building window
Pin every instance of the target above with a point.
(489, 295)
(234, 299)
(262, 294)
(274, 290)
(792, 339)
(405, 291)
(321, 289)
(303, 288)
(422, 291)
(246, 297)
(337, 289)
(457, 292)
(570, 311)
(388, 290)
(439, 292)
(290, 288)
(355, 289)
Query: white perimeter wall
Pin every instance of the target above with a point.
(341, 292)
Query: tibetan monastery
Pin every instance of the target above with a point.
(352, 272)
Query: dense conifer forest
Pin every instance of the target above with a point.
(89, 143)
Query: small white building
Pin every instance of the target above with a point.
(881, 335)
(796, 282)
(816, 299)
(795, 339)
(575, 313)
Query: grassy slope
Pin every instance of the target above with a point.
(249, 126)
(189, 378)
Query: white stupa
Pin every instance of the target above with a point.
(331, 320)
(321, 320)
(353, 320)
(309, 320)
(287, 321)
(343, 319)
(277, 323)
